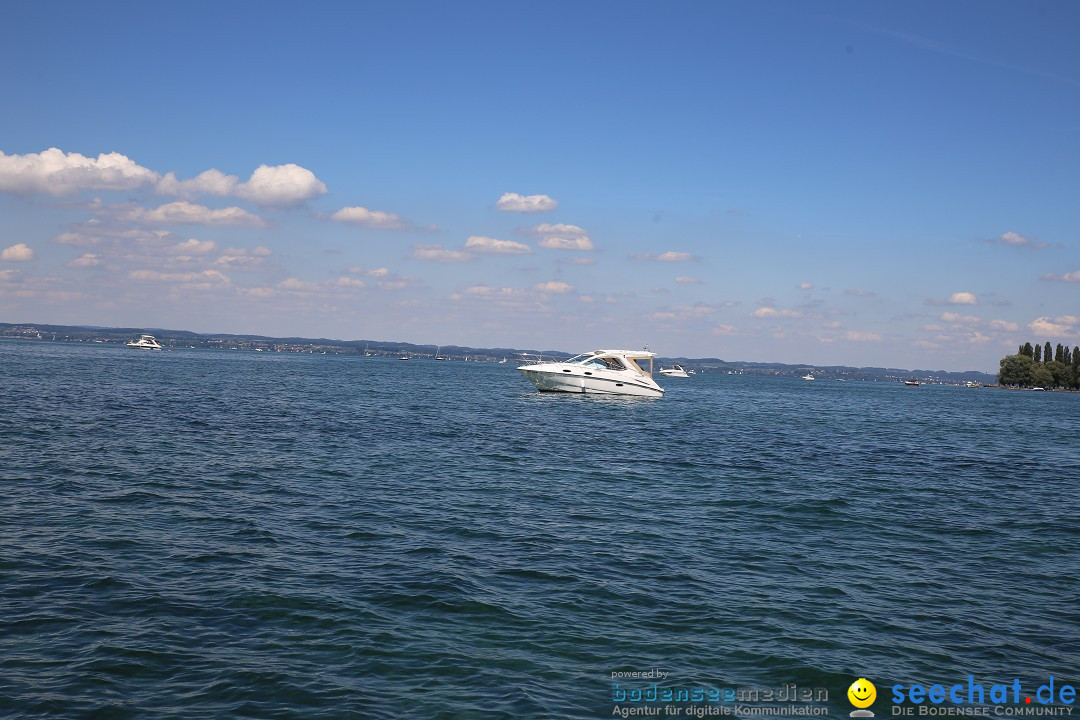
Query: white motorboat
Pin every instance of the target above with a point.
(808, 376)
(607, 372)
(145, 342)
(674, 371)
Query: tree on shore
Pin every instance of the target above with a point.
(1017, 370)
(1041, 366)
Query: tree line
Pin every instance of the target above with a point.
(1042, 366)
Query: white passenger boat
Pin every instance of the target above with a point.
(674, 371)
(607, 372)
(145, 342)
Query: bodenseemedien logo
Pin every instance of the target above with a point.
(862, 694)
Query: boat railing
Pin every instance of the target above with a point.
(537, 358)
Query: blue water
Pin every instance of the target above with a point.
(201, 534)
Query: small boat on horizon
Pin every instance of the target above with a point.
(912, 383)
(674, 371)
(605, 372)
(145, 342)
(808, 376)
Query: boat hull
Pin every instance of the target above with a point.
(558, 378)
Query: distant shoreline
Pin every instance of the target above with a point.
(189, 339)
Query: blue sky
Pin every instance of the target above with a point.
(825, 182)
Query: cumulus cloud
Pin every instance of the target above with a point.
(952, 317)
(554, 286)
(481, 244)
(56, 173)
(194, 247)
(1057, 326)
(684, 312)
(437, 253)
(963, 298)
(512, 202)
(1067, 277)
(346, 281)
(184, 212)
(370, 218)
(298, 285)
(669, 256)
(1015, 239)
(187, 277)
(85, 261)
(855, 336)
(561, 236)
(20, 252)
(806, 286)
(723, 330)
(771, 312)
(687, 280)
(210, 182)
(280, 185)
(1004, 325)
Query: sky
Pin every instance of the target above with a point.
(829, 183)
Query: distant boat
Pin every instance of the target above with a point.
(808, 376)
(145, 342)
(403, 357)
(438, 354)
(971, 384)
(674, 371)
(912, 383)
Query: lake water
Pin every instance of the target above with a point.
(211, 534)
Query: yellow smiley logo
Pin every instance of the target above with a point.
(862, 693)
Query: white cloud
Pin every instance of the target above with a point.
(280, 185)
(57, 173)
(1004, 325)
(346, 281)
(806, 286)
(1057, 326)
(85, 261)
(210, 182)
(257, 292)
(859, 293)
(20, 252)
(481, 244)
(184, 212)
(1067, 277)
(554, 286)
(951, 317)
(240, 260)
(856, 336)
(1015, 239)
(687, 280)
(194, 247)
(963, 298)
(563, 237)
(669, 256)
(771, 312)
(512, 202)
(297, 284)
(370, 218)
(724, 330)
(437, 253)
(188, 277)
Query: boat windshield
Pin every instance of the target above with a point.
(598, 361)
